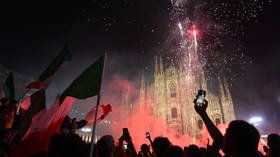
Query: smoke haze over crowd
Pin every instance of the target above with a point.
(132, 32)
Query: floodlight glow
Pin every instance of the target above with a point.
(86, 129)
(255, 120)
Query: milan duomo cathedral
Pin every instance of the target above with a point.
(172, 91)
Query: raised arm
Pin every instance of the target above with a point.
(131, 147)
(212, 129)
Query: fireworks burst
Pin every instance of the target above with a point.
(221, 25)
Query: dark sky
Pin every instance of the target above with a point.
(32, 32)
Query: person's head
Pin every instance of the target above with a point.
(105, 146)
(174, 151)
(193, 151)
(241, 139)
(160, 145)
(145, 148)
(66, 145)
(273, 139)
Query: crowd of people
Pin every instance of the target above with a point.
(240, 140)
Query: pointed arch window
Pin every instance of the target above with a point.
(200, 124)
(171, 73)
(174, 112)
(173, 90)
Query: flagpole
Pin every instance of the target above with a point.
(96, 112)
(94, 127)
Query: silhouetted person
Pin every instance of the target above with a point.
(193, 151)
(174, 151)
(241, 138)
(66, 145)
(105, 146)
(130, 151)
(145, 150)
(213, 150)
(73, 126)
(273, 143)
(160, 145)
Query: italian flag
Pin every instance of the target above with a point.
(46, 77)
(47, 123)
(88, 84)
(38, 103)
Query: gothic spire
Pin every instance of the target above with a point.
(229, 100)
(160, 65)
(156, 65)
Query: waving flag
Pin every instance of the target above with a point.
(88, 84)
(38, 101)
(44, 125)
(46, 77)
(105, 110)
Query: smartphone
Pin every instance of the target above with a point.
(148, 135)
(125, 146)
(200, 97)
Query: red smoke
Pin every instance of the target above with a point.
(140, 121)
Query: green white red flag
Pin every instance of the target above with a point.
(45, 78)
(88, 83)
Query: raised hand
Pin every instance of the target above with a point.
(201, 108)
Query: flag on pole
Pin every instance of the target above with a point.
(43, 119)
(45, 78)
(88, 84)
(8, 88)
(105, 110)
(37, 104)
(44, 125)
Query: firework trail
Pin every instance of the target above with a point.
(220, 23)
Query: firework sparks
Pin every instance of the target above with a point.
(218, 21)
(181, 29)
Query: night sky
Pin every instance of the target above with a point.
(132, 32)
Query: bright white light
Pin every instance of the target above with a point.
(107, 122)
(180, 26)
(255, 120)
(86, 129)
(194, 33)
(264, 136)
(181, 29)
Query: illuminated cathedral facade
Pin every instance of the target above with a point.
(171, 93)
(170, 96)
